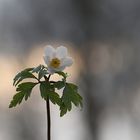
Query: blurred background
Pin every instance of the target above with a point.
(103, 37)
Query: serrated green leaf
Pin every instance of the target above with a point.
(37, 69)
(68, 104)
(47, 92)
(75, 98)
(72, 87)
(17, 99)
(64, 75)
(44, 89)
(70, 95)
(23, 75)
(42, 73)
(26, 88)
(80, 100)
(41, 70)
(54, 97)
(63, 110)
(19, 74)
(59, 84)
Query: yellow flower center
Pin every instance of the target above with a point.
(55, 63)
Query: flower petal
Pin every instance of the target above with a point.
(49, 51)
(68, 61)
(51, 70)
(47, 60)
(61, 68)
(61, 52)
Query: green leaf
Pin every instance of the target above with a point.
(64, 75)
(37, 69)
(44, 89)
(23, 75)
(42, 73)
(70, 95)
(26, 88)
(59, 84)
(17, 99)
(41, 70)
(47, 92)
(63, 110)
(54, 97)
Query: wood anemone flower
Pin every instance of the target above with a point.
(57, 59)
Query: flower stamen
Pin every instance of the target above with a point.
(55, 63)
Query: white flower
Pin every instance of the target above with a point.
(57, 59)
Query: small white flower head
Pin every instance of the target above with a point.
(57, 59)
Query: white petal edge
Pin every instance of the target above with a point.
(68, 61)
(49, 51)
(61, 68)
(51, 71)
(61, 52)
(47, 60)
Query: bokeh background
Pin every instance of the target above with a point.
(103, 37)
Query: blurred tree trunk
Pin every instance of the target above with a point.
(88, 11)
(92, 107)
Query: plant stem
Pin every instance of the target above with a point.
(48, 113)
(48, 120)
